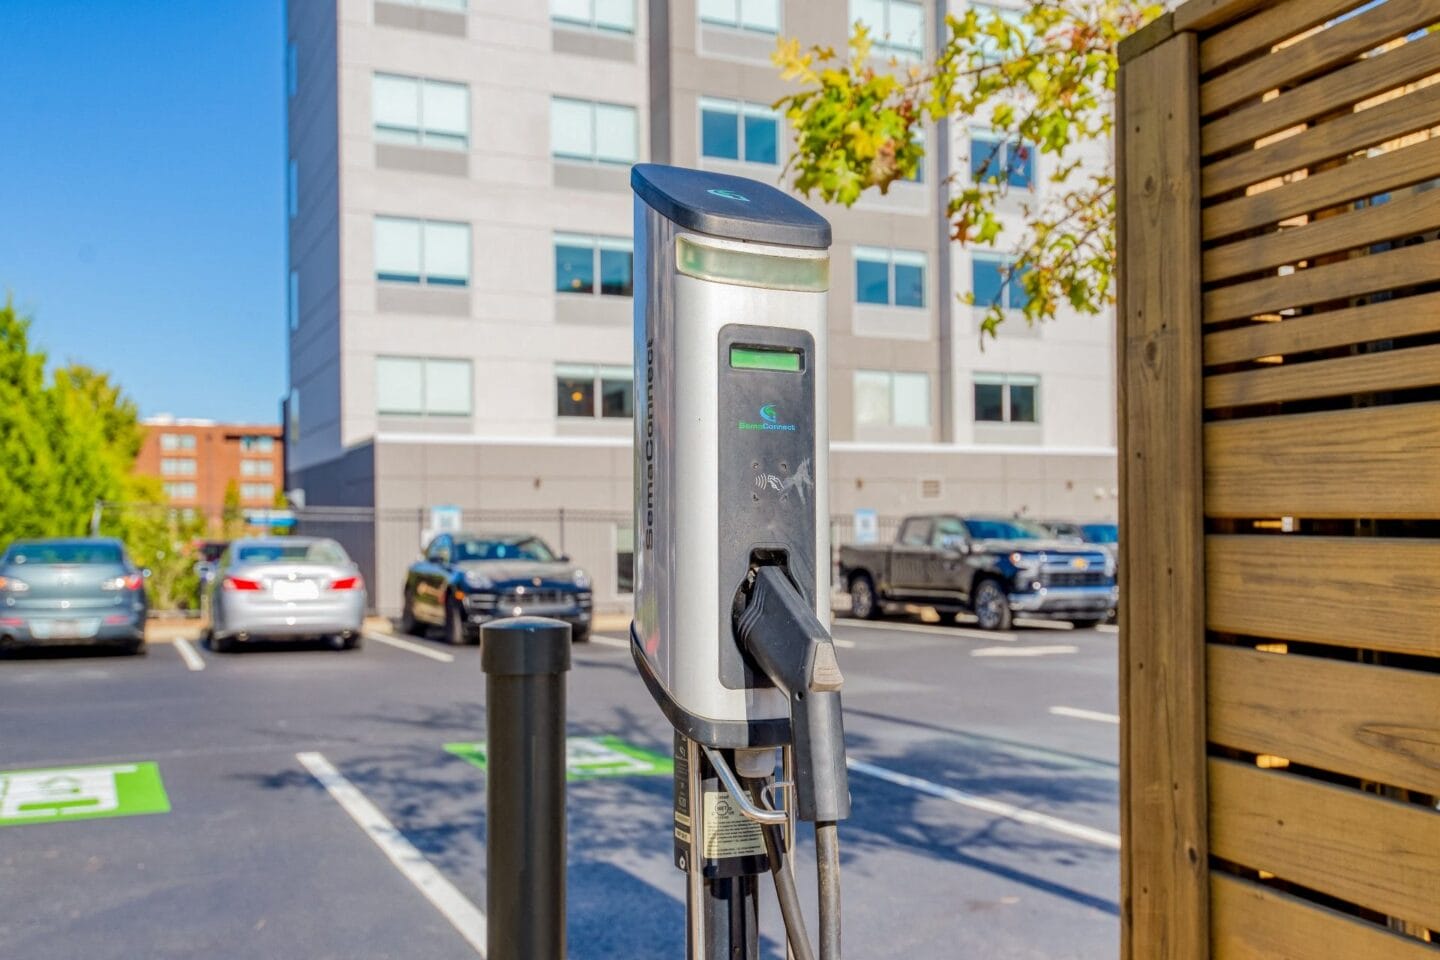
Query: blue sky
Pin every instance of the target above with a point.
(142, 195)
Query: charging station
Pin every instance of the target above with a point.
(732, 572)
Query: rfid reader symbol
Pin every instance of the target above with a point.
(768, 414)
(728, 194)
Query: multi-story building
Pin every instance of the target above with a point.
(460, 267)
(197, 460)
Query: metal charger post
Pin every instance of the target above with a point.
(525, 660)
(732, 563)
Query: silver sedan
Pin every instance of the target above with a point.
(275, 588)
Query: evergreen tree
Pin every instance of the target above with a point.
(29, 477)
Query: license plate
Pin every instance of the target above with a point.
(65, 630)
(296, 590)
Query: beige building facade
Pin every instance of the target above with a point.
(460, 229)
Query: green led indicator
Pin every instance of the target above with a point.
(748, 358)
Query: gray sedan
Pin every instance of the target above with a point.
(276, 588)
(62, 592)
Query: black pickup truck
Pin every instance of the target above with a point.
(994, 567)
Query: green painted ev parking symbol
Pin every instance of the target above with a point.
(588, 757)
(81, 793)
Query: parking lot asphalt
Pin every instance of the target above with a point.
(314, 811)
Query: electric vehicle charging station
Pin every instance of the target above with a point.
(732, 566)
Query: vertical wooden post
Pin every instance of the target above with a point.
(1164, 869)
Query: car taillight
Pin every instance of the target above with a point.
(240, 583)
(348, 583)
(132, 581)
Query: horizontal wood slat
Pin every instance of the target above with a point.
(1279, 21)
(1253, 922)
(1355, 277)
(1340, 137)
(1355, 180)
(1400, 219)
(1405, 317)
(1336, 91)
(1378, 853)
(1204, 14)
(1375, 723)
(1380, 462)
(1364, 373)
(1317, 53)
(1370, 592)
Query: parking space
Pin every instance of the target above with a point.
(328, 803)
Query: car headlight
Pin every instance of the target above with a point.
(11, 585)
(582, 579)
(1025, 561)
(477, 580)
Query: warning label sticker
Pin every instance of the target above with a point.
(727, 832)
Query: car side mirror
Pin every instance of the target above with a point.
(564, 558)
(956, 544)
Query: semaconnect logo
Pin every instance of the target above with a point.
(771, 421)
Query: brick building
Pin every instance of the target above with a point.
(197, 459)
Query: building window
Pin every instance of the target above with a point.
(261, 443)
(292, 419)
(1006, 398)
(586, 264)
(292, 300)
(433, 252)
(897, 27)
(257, 468)
(421, 113)
(624, 558)
(177, 441)
(886, 399)
(762, 16)
(991, 280)
(616, 15)
(177, 467)
(180, 491)
(733, 130)
(594, 392)
(596, 132)
(257, 491)
(417, 386)
(889, 277)
(292, 65)
(998, 161)
(292, 189)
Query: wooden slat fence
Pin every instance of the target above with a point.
(1279, 358)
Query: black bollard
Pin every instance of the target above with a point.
(525, 660)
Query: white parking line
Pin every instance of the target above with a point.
(410, 647)
(1081, 714)
(463, 915)
(933, 630)
(192, 659)
(610, 641)
(1108, 628)
(1076, 831)
(1056, 649)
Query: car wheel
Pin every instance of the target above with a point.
(408, 623)
(136, 648)
(991, 606)
(863, 604)
(1088, 623)
(454, 626)
(221, 644)
(579, 634)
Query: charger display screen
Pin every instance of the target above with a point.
(754, 358)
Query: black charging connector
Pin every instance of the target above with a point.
(781, 633)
